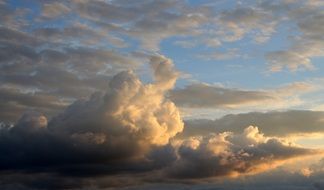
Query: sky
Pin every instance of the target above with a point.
(162, 94)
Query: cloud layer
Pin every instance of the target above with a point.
(275, 123)
(201, 95)
(131, 130)
(47, 53)
(75, 114)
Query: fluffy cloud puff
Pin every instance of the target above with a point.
(129, 111)
(229, 154)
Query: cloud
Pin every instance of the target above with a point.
(67, 73)
(152, 21)
(12, 18)
(131, 130)
(226, 154)
(15, 102)
(236, 23)
(309, 20)
(129, 133)
(52, 10)
(116, 129)
(275, 123)
(150, 120)
(79, 34)
(202, 95)
(88, 46)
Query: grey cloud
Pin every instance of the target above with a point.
(111, 11)
(53, 10)
(56, 73)
(22, 55)
(151, 21)
(13, 100)
(312, 26)
(240, 21)
(77, 33)
(283, 123)
(289, 59)
(42, 59)
(97, 60)
(16, 37)
(12, 18)
(201, 95)
(308, 19)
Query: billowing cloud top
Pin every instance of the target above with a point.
(129, 113)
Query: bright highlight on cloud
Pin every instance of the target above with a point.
(129, 113)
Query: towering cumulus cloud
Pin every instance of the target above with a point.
(114, 128)
(129, 113)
